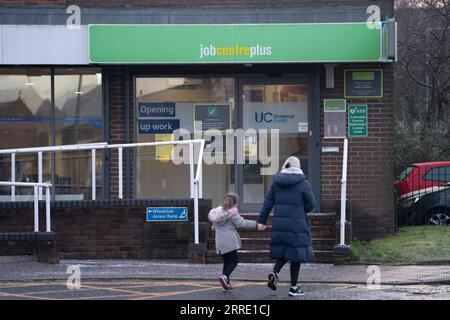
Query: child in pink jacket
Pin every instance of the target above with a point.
(226, 220)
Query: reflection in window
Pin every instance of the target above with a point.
(78, 119)
(156, 175)
(27, 119)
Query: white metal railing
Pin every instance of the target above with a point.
(344, 193)
(196, 185)
(39, 151)
(35, 186)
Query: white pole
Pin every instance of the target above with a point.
(200, 168)
(40, 173)
(344, 192)
(94, 186)
(47, 209)
(36, 210)
(200, 180)
(13, 176)
(196, 240)
(191, 168)
(120, 174)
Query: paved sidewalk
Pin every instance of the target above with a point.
(27, 268)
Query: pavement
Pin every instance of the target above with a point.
(26, 268)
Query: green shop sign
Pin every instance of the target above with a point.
(231, 43)
(357, 120)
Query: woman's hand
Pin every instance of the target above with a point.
(261, 227)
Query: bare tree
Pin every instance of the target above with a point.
(422, 81)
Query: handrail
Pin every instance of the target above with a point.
(35, 186)
(196, 185)
(25, 184)
(67, 147)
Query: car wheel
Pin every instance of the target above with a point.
(440, 217)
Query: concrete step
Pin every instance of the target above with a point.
(316, 232)
(264, 244)
(256, 244)
(315, 219)
(262, 256)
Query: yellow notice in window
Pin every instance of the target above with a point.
(250, 147)
(164, 152)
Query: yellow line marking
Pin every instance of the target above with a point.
(117, 290)
(59, 291)
(132, 294)
(153, 283)
(21, 295)
(102, 297)
(172, 284)
(176, 293)
(28, 284)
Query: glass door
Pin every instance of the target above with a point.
(267, 104)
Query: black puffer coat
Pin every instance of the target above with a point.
(292, 197)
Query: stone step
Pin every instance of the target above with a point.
(264, 244)
(315, 219)
(316, 232)
(256, 244)
(262, 256)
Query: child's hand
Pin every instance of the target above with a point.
(261, 227)
(233, 210)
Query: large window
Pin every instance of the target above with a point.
(156, 175)
(29, 118)
(78, 101)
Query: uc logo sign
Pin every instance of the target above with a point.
(266, 117)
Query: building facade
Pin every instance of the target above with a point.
(75, 72)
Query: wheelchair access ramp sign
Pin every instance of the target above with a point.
(167, 214)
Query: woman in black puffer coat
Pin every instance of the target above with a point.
(291, 196)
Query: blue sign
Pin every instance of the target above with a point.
(156, 110)
(167, 214)
(158, 126)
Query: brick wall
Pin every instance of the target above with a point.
(117, 132)
(105, 229)
(370, 160)
(116, 123)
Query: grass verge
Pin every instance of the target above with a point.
(409, 245)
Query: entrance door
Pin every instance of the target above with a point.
(272, 104)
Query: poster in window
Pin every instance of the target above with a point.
(164, 153)
(212, 116)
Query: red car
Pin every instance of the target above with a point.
(422, 178)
